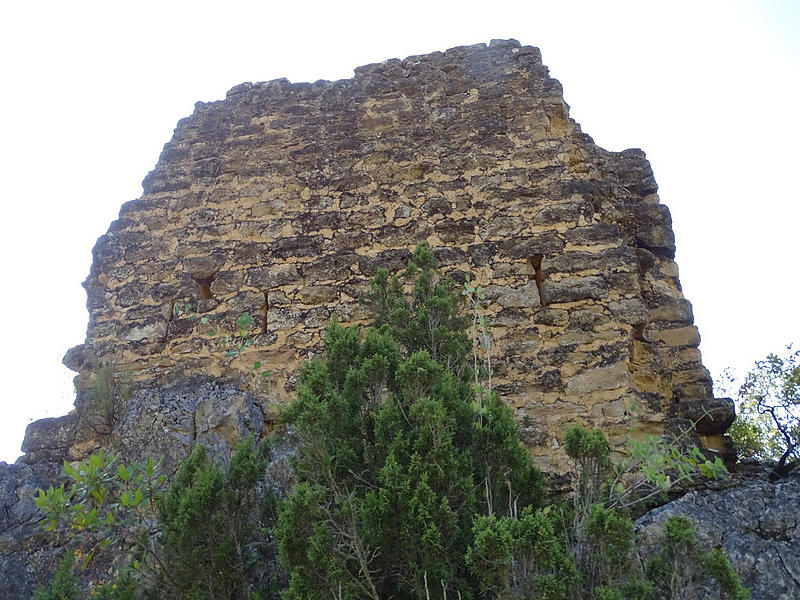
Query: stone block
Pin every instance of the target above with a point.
(599, 378)
(318, 294)
(597, 233)
(566, 212)
(605, 261)
(529, 246)
(573, 289)
(679, 336)
(709, 415)
(630, 310)
(145, 331)
(508, 297)
(267, 277)
(654, 229)
(53, 435)
(677, 310)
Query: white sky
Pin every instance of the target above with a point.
(90, 92)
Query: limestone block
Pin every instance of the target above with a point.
(565, 212)
(228, 282)
(147, 331)
(282, 318)
(599, 378)
(318, 294)
(271, 276)
(528, 246)
(597, 233)
(654, 229)
(48, 439)
(710, 415)
(605, 261)
(574, 288)
(630, 310)
(678, 310)
(679, 336)
(614, 409)
(508, 297)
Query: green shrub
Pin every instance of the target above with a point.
(64, 583)
(104, 400)
(681, 568)
(215, 528)
(399, 451)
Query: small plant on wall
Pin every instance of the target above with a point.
(103, 402)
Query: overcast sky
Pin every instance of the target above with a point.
(91, 91)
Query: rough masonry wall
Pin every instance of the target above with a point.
(283, 199)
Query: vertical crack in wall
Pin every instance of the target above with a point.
(264, 328)
(538, 274)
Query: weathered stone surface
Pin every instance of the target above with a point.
(755, 523)
(678, 310)
(27, 555)
(599, 378)
(678, 336)
(710, 416)
(629, 310)
(507, 297)
(48, 440)
(654, 229)
(574, 289)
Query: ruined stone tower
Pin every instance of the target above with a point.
(283, 199)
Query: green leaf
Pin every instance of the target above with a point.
(68, 470)
(245, 321)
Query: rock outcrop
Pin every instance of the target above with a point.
(282, 200)
(755, 522)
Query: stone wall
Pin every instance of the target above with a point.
(283, 199)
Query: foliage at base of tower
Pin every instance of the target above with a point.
(396, 457)
(207, 536)
(587, 549)
(107, 506)
(682, 568)
(215, 539)
(522, 557)
(600, 536)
